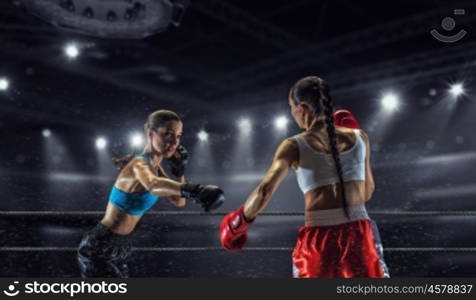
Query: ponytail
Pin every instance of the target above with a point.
(314, 92)
(331, 132)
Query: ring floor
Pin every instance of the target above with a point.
(202, 231)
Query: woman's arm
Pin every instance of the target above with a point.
(178, 163)
(159, 186)
(210, 197)
(286, 154)
(177, 200)
(369, 178)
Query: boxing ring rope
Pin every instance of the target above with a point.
(248, 249)
(275, 213)
(219, 249)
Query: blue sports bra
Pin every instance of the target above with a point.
(135, 204)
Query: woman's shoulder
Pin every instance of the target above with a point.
(288, 149)
(352, 132)
(345, 130)
(135, 162)
(294, 140)
(291, 142)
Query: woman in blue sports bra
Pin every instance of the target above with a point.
(141, 182)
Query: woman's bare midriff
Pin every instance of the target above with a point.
(327, 197)
(116, 220)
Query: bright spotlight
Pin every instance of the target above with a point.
(136, 140)
(202, 135)
(71, 50)
(245, 125)
(457, 90)
(390, 102)
(281, 122)
(4, 84)
(101, 143)
(46, 133)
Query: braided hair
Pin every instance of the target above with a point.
(315, 93)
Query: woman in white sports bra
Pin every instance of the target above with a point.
(332, 165)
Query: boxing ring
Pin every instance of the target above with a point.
(187, 244)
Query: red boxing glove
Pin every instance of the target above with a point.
(345, 118)
(233, 230)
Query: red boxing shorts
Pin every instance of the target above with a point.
(332, 246)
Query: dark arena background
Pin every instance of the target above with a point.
(78, 79)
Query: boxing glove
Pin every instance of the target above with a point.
(210, 197)
(234, 230)
(179, 161)
(345, 118)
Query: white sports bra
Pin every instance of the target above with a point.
(318, 169)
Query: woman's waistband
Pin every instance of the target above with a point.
(329, 217)
(104, 234)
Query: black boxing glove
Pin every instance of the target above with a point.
(178, 164)
(210, 197)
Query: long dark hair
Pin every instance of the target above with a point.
(155, 120)
(315, 93)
